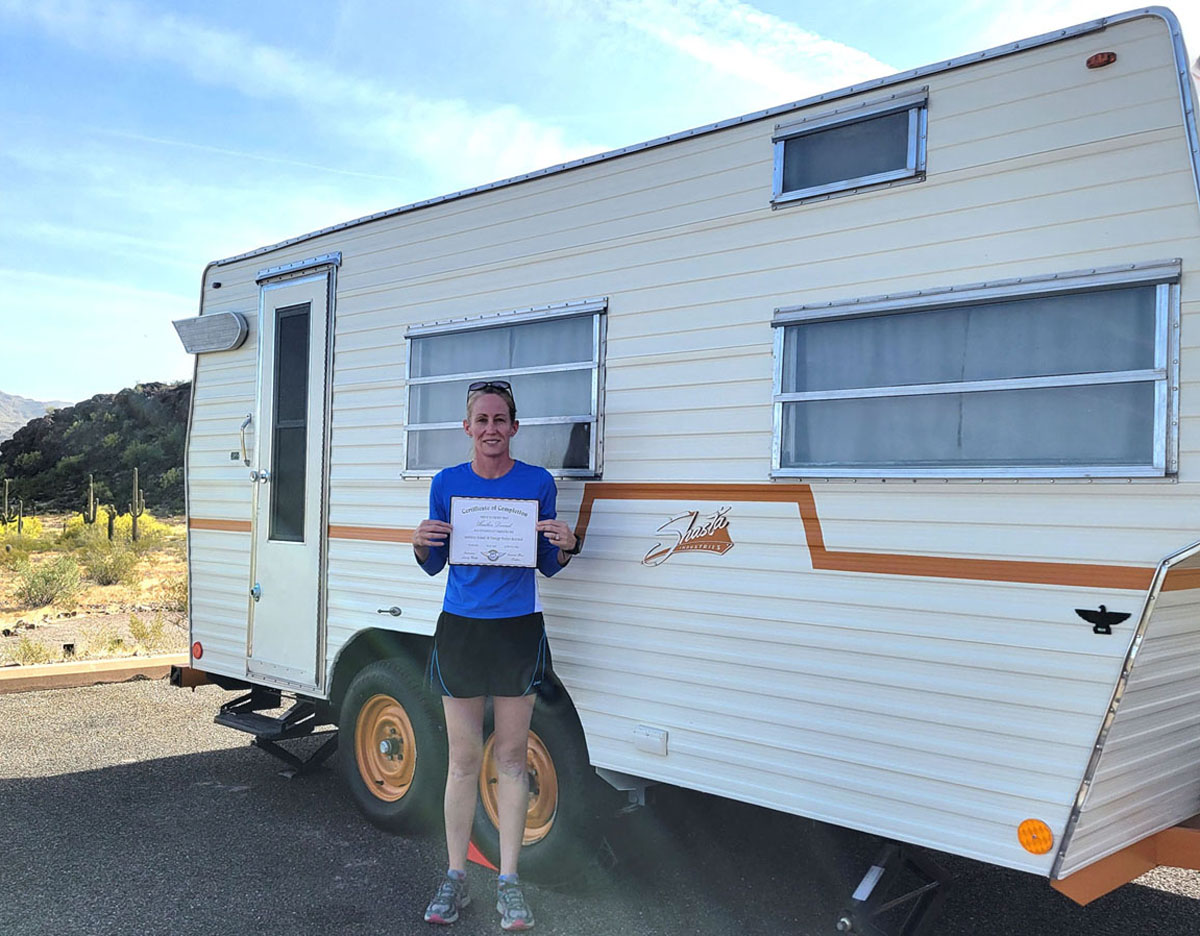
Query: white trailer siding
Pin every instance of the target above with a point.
(1147, 776)
(925, 677)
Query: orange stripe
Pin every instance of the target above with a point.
(1082, 575)
(1182, 579)
(375, 534)
(228, 526)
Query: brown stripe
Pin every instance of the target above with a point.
(228, 526)
(1134, 578)
(1182, 579)
(375, 534)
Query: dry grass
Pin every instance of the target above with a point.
(142, 611)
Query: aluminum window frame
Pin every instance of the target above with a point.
(1164, 275)
(917, 105)
(596, 308)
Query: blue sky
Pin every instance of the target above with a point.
(139, 139)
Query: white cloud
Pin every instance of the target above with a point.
(741, 41)
(364, 113)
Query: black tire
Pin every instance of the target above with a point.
(399, 790)
(564, 839)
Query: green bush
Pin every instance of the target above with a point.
(110, 563)
(31, 651)
(54, 582)
(150, 636)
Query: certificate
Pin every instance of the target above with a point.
(493, 531)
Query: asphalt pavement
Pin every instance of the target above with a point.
(124, 810)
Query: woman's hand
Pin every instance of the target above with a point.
(429, 533)
(560, 535)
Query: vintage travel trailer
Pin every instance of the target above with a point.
(878, 414)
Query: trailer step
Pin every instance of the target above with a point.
(245, 714)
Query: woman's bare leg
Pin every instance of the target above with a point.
(464, 732)
(512, 741)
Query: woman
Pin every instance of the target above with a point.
(490, 641)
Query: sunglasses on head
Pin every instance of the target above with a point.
(502, 385)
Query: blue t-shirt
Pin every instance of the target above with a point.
(488, 591)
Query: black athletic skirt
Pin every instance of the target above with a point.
(488, 656)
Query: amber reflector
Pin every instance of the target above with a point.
(1035, 836)
(197, 650)
(1100, 59)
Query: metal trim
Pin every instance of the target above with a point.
(812, 473)
(978, 386)
(1000, 51)
(1131, 653)
(528, 421)
(322, 683)
(329, 259)
(1026, 287)
(852, 113)
(296, 277)
(502, 372)
(913, 169)
(596, 307)
(512, 317)
(187, 481)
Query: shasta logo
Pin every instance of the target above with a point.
(688, 531)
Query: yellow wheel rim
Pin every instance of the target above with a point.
(385, 747)
(543, 788)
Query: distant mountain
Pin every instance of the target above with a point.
(49, 458)
(15, 411)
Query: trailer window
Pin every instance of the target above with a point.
(861, 146)
(552, 358)
(983, 381)
(290, 429)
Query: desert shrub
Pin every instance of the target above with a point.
(173, 593)
(150, 636)
(110, 563)
(31, 529)
(29, 651)
(12, 555)
(76, 532)
(56, 581)
(103, 641)
(151, 532)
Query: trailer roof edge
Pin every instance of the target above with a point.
(1009, 48)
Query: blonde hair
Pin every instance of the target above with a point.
(496, 391)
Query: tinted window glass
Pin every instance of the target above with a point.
(1100, 424)
(290, 429)
(1082, 333)
(847, 151)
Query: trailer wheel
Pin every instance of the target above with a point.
(564, 831)
(392, 755)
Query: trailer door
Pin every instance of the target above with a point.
(287, 581)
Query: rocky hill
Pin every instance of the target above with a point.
(144, 427)
(15, 411)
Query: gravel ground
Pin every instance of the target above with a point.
(124, 810)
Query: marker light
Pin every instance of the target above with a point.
(1100, 59)
(1035, 836)
(197, 650)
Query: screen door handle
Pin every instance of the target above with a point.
(242, 432)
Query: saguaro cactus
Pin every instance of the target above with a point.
(111, 510)
(89, 512)
(7, 516)
(137, 505)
